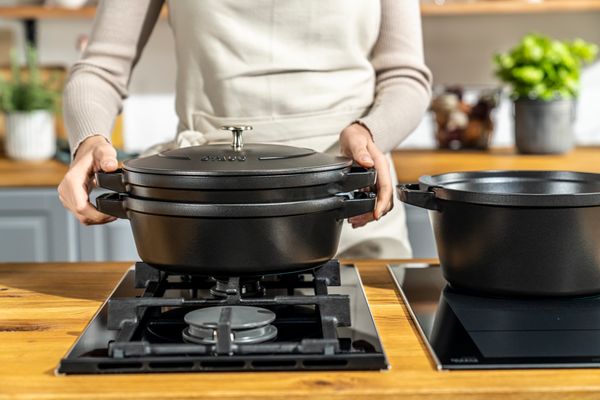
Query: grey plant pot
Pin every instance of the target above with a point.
(544, 127)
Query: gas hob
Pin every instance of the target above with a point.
(159, 322)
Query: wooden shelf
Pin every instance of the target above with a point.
(451, 7)
(465, 7)
(42, 12)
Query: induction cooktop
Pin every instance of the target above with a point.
(471, 331)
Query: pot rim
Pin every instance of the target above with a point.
(337, 181)
(243, 210)
(233, 182)
(435, 184)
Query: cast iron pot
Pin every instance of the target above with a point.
(531, 233)
(236, 239)
(234, 173)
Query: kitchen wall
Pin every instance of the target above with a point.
(458, 50)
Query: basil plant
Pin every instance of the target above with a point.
(545, 69)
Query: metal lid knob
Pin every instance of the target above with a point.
(237, 131)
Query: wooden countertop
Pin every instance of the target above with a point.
(31, 174)
(44, 307)
(411, 164)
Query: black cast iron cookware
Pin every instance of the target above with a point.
(524, 233)
(224, 173)
(236, 239)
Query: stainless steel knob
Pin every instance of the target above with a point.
(236, 131)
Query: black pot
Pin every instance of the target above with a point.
(515, 232)
(224, 173)
(236, 239)
(234, 210)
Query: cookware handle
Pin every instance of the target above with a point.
(413, 195)
(358, 178)
(112, 204)
(359, 203)
(111, 180)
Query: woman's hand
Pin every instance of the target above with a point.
(93, 154)
(356, 142)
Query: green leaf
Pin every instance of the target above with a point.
(528, 74)
(540, 67)
(30, 94)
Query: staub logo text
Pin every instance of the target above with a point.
(224, 158)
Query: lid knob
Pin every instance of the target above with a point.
(237, 131)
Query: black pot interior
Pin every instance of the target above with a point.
(518, 182)
(517, 188)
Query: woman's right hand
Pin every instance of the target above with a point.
(93, 154)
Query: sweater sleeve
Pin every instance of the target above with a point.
(403, 81)
(98, 82)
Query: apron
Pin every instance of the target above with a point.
(297, 71)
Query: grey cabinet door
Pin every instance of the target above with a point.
(34, 226)
(108, 242)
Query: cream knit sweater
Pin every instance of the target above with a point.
(295, 68)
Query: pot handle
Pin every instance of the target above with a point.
(413, 195)
(112, 204)
(111, 180)
(356, 204)
(357, 178)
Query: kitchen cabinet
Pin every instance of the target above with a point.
(34, 226)
(108, 242)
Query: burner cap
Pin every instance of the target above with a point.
(242, 317)
(248, 324)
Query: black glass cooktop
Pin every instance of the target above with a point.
(466, 331)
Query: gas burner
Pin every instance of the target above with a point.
(234, 286)
(242, 324)
(165, 322)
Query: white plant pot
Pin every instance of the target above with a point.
(30, 136)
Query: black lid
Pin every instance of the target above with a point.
(224, 160)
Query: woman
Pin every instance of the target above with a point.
(335, 75)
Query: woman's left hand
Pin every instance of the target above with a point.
(356, 142)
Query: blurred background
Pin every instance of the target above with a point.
(460, 40)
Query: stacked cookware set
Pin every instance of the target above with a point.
(235, 209)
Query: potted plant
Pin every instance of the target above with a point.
(544, 78)
(29, 104)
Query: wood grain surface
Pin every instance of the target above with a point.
(44, 307)
(469, 7)
(411, 164)
(20, 174)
